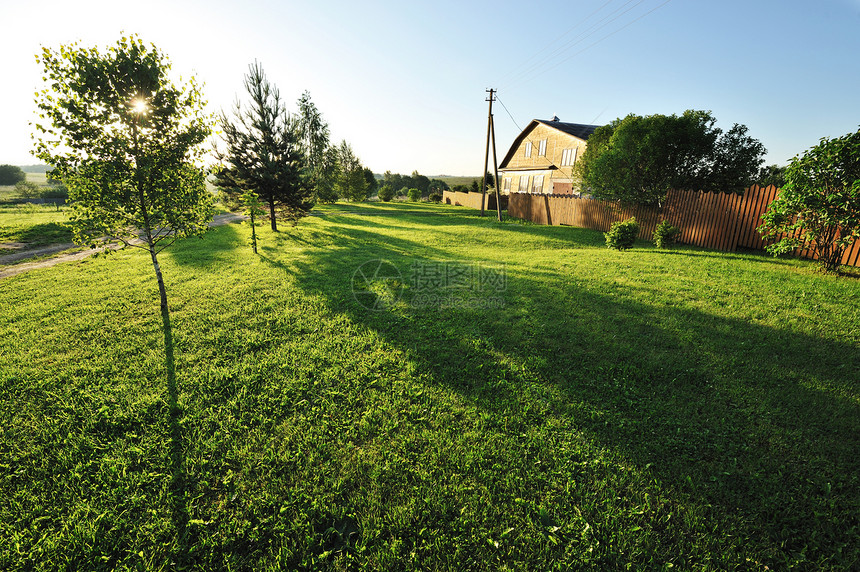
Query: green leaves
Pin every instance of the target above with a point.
(131, 170)
(665, 235)
(639, 159)
(819, 206)
(264, 151)
(622, 234)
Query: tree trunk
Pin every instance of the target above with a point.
(272, 215)
(253, 231)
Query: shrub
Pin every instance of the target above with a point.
(819, 206)
(230, 199)
(28, 190)
(665, 235)
(622, 235)
(436, 197)
(386, 193)
(55, 190)
(414, 194)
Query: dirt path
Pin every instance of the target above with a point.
(19, 267)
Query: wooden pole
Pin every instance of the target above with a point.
(495, 165)
(487, 153)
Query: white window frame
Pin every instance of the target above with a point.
(506, 184)
(528, 149)
(568, 157)
(542, 148)
(523, 188)
(537, 184)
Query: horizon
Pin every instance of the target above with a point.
(41, 166)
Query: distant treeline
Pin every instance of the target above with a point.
(35, 168)
(400, 184)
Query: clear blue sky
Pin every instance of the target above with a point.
(403, 82)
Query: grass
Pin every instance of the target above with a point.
(8, 192)
(451, 181)
(34, 225)
(639, 410)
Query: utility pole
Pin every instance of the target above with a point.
(491, 135)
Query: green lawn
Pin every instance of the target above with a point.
(33, 224)
(493, 396)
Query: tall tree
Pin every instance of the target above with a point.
(771, 175)
(314, 138)
(819, 206)
(438, 185)
(639, 159)
(351, 183)
(370, 179)
(126, 142)
(327, 173)
(264, 153)
(395, 181)
(11, 175)
(420, 182)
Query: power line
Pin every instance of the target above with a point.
(535, 70)
(525, 62)
(594, 28)
(610, 34)
(509, 113)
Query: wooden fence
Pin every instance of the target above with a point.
(711, 220)
(473, 200)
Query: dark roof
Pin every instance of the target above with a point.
(576, 129)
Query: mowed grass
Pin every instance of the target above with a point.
(33, 225)
(518, 397)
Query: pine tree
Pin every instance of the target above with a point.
(264, 152)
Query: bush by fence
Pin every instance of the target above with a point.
(711, 220)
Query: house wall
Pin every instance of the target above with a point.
(556, 142)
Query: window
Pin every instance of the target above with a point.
(524, 184)
(568, 157)
(537, 186)
(506, 184)
(542, 149)
(528, 148)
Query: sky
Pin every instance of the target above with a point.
(404, 83)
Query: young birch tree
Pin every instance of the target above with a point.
(126, 142)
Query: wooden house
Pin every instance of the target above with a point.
(541, 158)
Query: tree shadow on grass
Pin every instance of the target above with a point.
(219, 244)
(45, 233)
(178, 476)
(752, 425)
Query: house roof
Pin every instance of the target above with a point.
(578, 130)
(575, 129)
